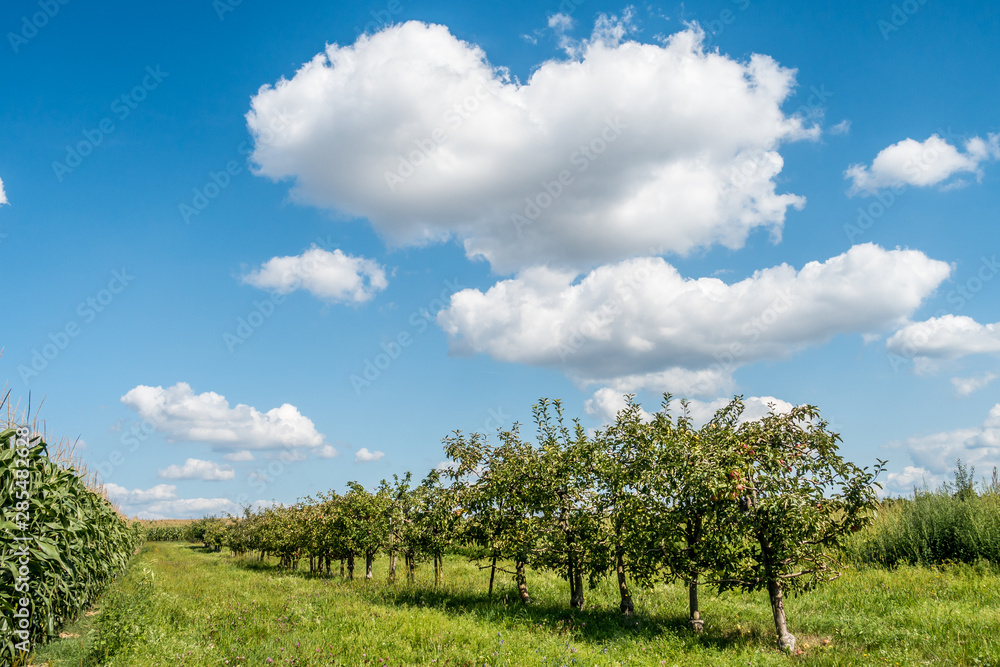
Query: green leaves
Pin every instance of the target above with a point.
(67, 539)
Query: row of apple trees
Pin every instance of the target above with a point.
(735, 504)
(415, 523)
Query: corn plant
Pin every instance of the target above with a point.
(61, 543)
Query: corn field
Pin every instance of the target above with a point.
(62, 543)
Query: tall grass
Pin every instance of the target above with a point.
(951, 524)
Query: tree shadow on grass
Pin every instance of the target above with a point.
(593, 624)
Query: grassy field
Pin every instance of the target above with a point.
(181, 606)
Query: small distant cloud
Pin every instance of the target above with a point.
(923, 164)
(122, 494)
(843, 127)
(330, 276)
(561, 22)
(903, 482)
(198, 469)
(967, 386)
(3, 195)
(327, 452)
(935, 454)
(365, 456)
(185, 508)
(242, 455)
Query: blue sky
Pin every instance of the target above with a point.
(253, 251)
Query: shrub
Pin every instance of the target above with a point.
(950, 524)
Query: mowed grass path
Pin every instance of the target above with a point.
(210, 609)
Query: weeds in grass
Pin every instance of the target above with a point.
(952, 524)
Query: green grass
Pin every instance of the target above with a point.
(209, 609)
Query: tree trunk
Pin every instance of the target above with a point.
(438, 569)
(694, 541)
(369, 559)
(350, 565)
(577, 600)
(341, 568)
(786, 641)
(522, 583)
(411, 567)
(573, 569)
(695, 622)
(571, 576)
(493, 572)
(626, 606)
(392, 567)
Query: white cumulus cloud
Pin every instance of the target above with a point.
(978, 446)
(3, 195)
(944, 338)
(903, 483)
(754, 408)
(606, 403)
(922, 163)
(182, 415)
(198, 469)
(640, 325)
(365, 456)
(413, 129)
(330, 276)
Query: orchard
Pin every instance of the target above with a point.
(732, 504)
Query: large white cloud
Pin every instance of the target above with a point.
(936, 454)
(640, 325)
(181, 414)
(946, 337)
(922, 163)
(331, 276)
(198, 469)
(414, 130)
